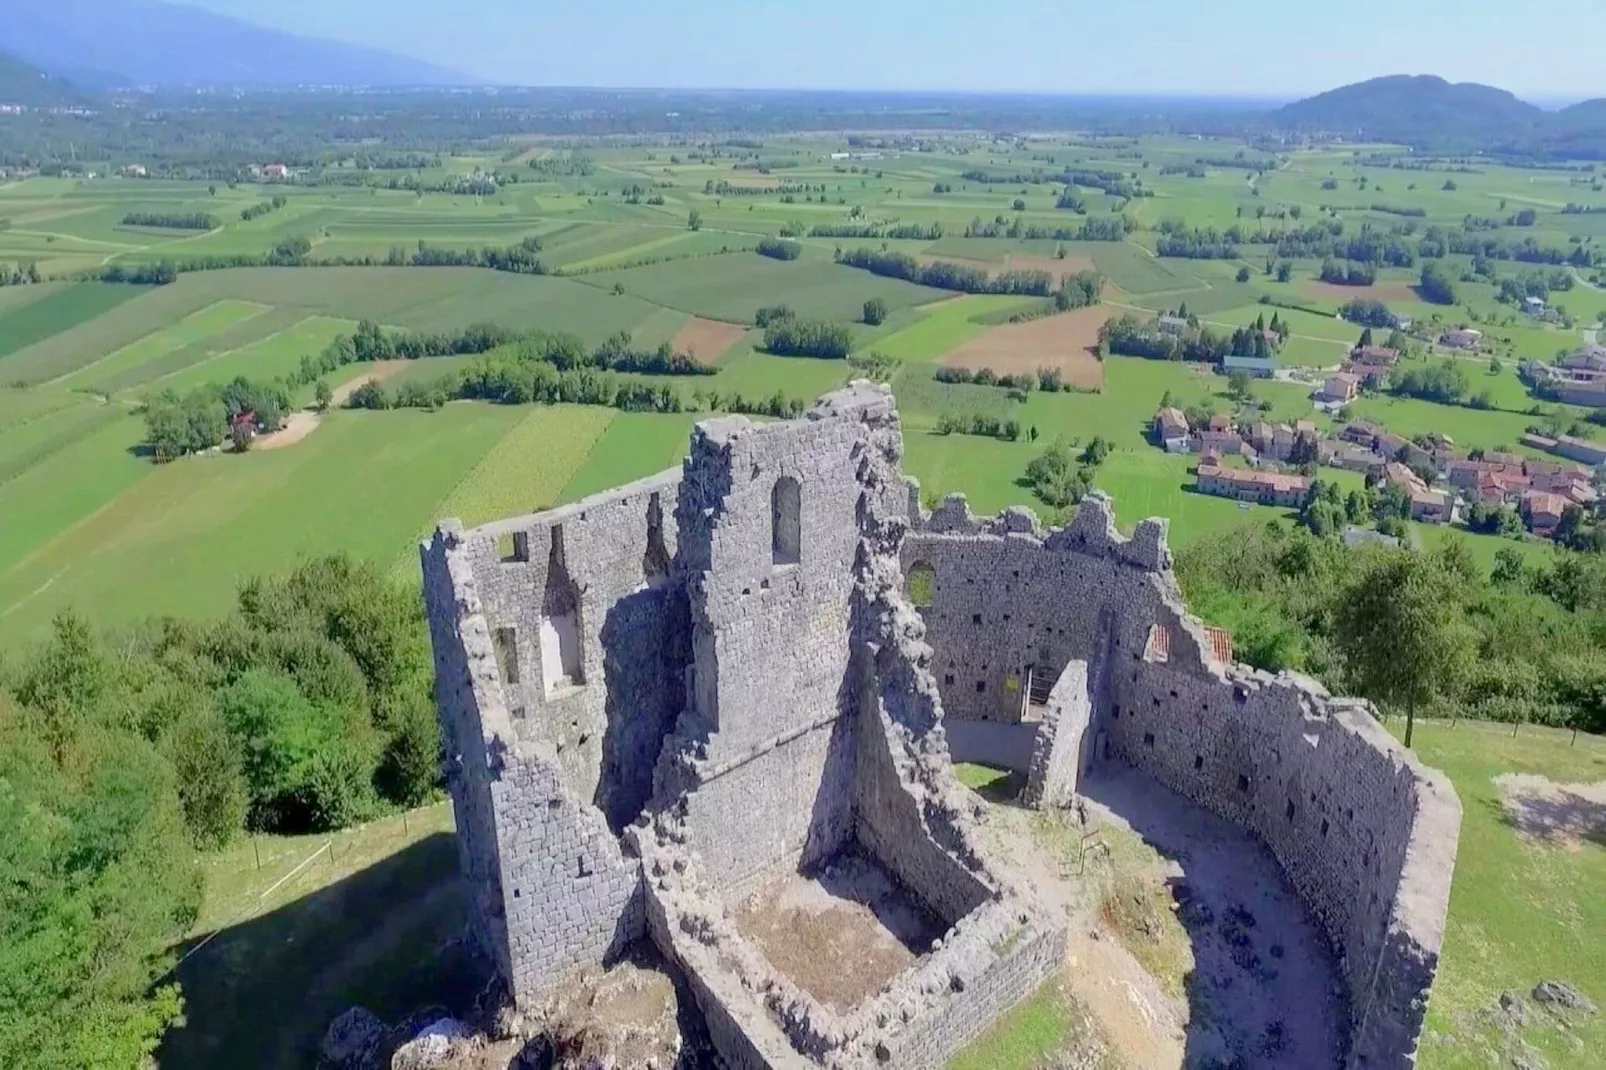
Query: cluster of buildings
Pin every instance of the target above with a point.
(1367, 369)
(1437, 477)
(1579, 378)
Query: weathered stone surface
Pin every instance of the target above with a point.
(434, 1048)
(353, 1041)
(653, 698)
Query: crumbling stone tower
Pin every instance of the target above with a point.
(656, 698)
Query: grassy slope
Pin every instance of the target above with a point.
(1520, 913)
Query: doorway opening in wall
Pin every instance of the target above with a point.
(560, 623)
(786, 522)
(1039, 684)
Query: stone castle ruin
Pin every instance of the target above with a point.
(661, 699)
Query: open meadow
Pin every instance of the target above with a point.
(104, 528)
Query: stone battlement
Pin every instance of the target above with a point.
(661, 698)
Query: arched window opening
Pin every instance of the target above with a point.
(786, 522)
(921, 585)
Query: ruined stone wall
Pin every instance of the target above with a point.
(762, 759)
(1365, 833)
(468, 744)
(606, 564)
(1059, 756)
(553, 887)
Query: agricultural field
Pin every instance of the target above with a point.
(623, 261)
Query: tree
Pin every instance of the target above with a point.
(1285, 271)
(1366, 338)
(1243, 274)
(1436, 285)
(1240, 387)
(211, 787)
(694, 220)
(1400, 629)
(100, 887)
(875, 312)
(323, 396)
(240, 434)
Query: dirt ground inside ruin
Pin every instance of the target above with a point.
(706, 340)
(303, 422)
(1187, 945)
(1067, 343)
(841, 934)
(1557, 815)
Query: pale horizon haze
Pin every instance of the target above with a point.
(1233, 48)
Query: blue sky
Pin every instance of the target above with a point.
(1271, 48)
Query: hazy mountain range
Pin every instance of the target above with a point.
(55, 51)
(106, 44)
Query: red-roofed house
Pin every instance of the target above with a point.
(1543, 511)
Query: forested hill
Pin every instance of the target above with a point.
(148, 42)
(1430, 113)
(23, 83)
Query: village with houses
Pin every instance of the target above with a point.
(1433, 481)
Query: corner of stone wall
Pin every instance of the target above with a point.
(552, 888)
(1092, 531)
(1390, 1016)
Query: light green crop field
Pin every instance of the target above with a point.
(528, 468)
(635, 445)
(272, 357)
(196, 327)
(944, 327)
(182, 536)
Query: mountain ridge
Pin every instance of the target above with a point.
(150, 42)
(1429, 112)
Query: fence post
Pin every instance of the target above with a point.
(256, 849)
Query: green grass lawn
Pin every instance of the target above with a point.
(1520, 912)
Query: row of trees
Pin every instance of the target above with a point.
(1347, 273)
(981, 424)
(262, 208)
(522, 259)
(1127, 335)
(778, 249)
(171, 220)
(514, 378)
(946, 275)
(894, 231)
(787, 335)
(307, 707)
(1094, 228)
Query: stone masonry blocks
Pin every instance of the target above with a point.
(654, 697)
